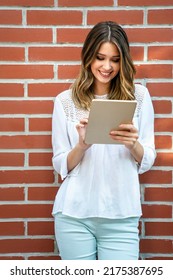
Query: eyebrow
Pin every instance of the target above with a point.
(105, 55)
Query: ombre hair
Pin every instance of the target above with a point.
(122, 85)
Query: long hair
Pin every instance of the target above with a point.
(122, 85)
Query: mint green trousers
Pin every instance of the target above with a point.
(97, 238)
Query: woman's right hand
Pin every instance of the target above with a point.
(81, 129)
(76, 154)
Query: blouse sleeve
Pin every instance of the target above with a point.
(146, 134)
(60, 141)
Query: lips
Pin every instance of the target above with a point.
(105, 74)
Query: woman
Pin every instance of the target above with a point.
(97, 207)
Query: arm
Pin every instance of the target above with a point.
(127, 134)
(146, 134)
(77, 153)
(60, 140)
(64, 157)
(140, 142)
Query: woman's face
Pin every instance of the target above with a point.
(105, 66)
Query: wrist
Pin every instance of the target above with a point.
(137, 151)
(81, 148)
(133, 148)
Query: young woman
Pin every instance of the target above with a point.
(97, 207)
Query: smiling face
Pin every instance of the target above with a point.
(105, 67)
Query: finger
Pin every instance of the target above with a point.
(124, 138)
(128, 143)
(125, 134)
(128, 127)
(84, 121)
(78, 126)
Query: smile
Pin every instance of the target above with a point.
(105, 74)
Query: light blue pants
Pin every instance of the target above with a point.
(97, 238)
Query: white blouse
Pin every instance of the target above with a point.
(105, 183)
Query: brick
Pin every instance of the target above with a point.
(155, 71)
(26, 72)
(26, 245)
(160, 89)
(65, 17)
(137, 53)
(26, 35)
(11, 159)
(54, 53)
(156, 246)
(26, 107)
(36, 125)
(144, 2)
(164, 159)
(10, 17)
(156, 177)
(42, 193)
(12, 54)
(86, 3)
(53, 257)
(28, 3)
(163, 16)
(11, 194)
(156, 211)
(158, 194)
(68, 71)
(40, 159)
(72, 35)
(26, 211)
(46, 89)
(11, 228)
(12, 124)
(160, 53)
(149, 35)
(41, 228)
(159, 258)
(122, 17)
(163, 142)
(25, 142)
(159, 228)
(164, 124)
(11, 90)
(162, 106)
(10, 258)
(26, 176)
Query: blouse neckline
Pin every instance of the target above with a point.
(104, 96)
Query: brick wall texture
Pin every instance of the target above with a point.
(40, 44)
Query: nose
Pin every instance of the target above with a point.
(107, 65)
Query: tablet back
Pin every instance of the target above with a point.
(106, 115)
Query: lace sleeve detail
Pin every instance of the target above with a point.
(72, 113)
(139, 95)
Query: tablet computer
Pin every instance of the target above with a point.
(106, 115)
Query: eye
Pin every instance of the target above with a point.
(116, 60)
(99, 57)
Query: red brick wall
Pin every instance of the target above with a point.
(40, 44)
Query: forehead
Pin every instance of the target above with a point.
(108, 48)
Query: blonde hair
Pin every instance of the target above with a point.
(122, 86)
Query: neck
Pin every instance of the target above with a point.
(101, 89)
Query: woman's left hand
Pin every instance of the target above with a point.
(126, 134)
